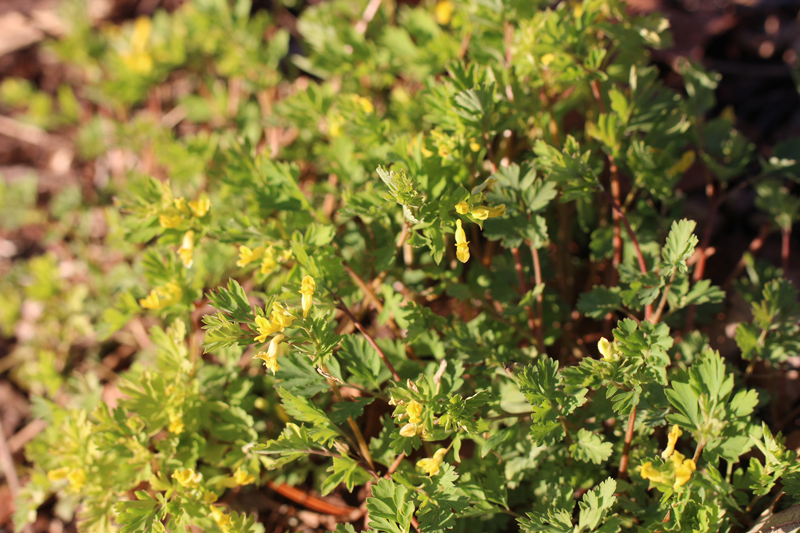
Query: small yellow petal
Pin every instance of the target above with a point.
(444, 12)
(462, 208)
(674, 433)
(170, 222)
(200, 206)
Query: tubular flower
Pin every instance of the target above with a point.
(265, 328)
(462, 208)
(76, 479)
(58, 474)
(482, 212)
(162, 297)
(648, 472)
(462, 244)
(247, 256)
(223, 520)
(444, 11)
(607, 349)
(674, 433)
(186, 251)
(268, 263)
(243, 478)
(683, 473)
(200, 206)
(188, 478)
(280, 317)
(409, 430)
(170, 222)
(431, 466)
(414, 411)
(307, 288)
(175, 424)
(270, 357)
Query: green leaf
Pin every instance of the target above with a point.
(596, 504)
(389, 508)
(680, 246)
(322, 430)
(589, 447)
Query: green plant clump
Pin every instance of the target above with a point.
(434, 261)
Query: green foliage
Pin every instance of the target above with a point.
(326, 329)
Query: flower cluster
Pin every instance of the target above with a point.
(266, 254)
(479, 212)
(414, 426)
(676, 469)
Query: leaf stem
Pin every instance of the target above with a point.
(660, 309)
(369, 338)
(524, 286)
(626, 450)
(537, 278)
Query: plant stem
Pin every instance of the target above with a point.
(369, 338)
(648, 309)
(362, 443)
(660, 309)
(524, 286)
(395, 465)
(537, 277)
(626, 450)
(786, 234)
(700, 269)
(755, 245)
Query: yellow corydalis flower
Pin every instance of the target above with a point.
(607, 349)
(270, 357)
(209, 496)
(431, 466)
(188, 478)
(648, 472)
(162, 297)
(241, 477)
(444, 12)
(200, 207)
(58, 474)
(462, 244)
(482, 212)
(280, 316)
(186, 251)
(170, 222)
(307, 288)
(268, 263)
(265, 328)
(674, 433)
(175, 424)
(414, 411)
(76, 479)
(547, 59)
(222, 519)
(462, 208)
(683, 472)
(247, 256)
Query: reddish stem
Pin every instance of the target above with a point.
(755, 245)
(786, 234)
(700, 269)
(626, 450)
(537, 277)
(524, 285)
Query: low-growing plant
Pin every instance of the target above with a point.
(450, 276)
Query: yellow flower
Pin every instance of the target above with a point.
(547, 59)
(186, 251)
(170, 222)
(414, 411)
(366, 105)
(674, 433)
(175, 424)
(161, 297)
(307, 287)
(648, 472)
(462, 208)
(58, 474)
(409, 430)
(142, 27)
(431, 466)
(188, 478)
(286, 255)
(444, 11)
(180, 205)
(474, 146)
(270, 357)
(607, 349)
(483, 212)
(462, 244)
(209, 496)
(76, 479)
(265, 328)
(683, 473)
(243, 478)
(280, 317)
(247, 256)
(223, 520)
(268, 263)
(200, 206)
